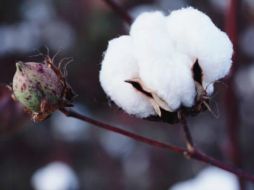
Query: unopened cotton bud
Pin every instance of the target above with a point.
(40, 88)
(35, 82)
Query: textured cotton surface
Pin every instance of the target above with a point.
(194, 34)
(119, 65)
(161, 67)
(55, 176)
(161, 51)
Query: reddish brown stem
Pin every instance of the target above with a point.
(71, 113)
(194, 154)
(232, 114)
(187, 133)
(120, 11)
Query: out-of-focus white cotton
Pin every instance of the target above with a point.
(55, 176)
(210, 178)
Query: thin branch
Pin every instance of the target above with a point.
(120, 11)
(194, 154)
(198, 155)
(186, 132)
(230, 99)
(71, 113)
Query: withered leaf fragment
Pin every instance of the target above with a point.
(155, 100)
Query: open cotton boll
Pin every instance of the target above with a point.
(195, 34)
(161, 68)
(153, 71)
(119, 65)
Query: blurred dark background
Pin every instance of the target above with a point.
(101, 160)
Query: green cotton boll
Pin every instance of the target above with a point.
(34, 83)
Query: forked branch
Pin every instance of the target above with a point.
(193, 154)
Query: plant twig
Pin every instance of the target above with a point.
(119, 10)
(186, 132)
(71, 113)
(194, 154)
(232, 114)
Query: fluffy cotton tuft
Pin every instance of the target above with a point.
(193, 33)
(119, 65)
(161, 67)
(161, 51)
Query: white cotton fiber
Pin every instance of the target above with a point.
(161, 51)
(162, 69)
(119, 65)
(149, 34)
(194, 34)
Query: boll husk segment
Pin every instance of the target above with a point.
(167, 64)
(40, 88)
(33, 82)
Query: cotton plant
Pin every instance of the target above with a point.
(164, 68)
(167, 63)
